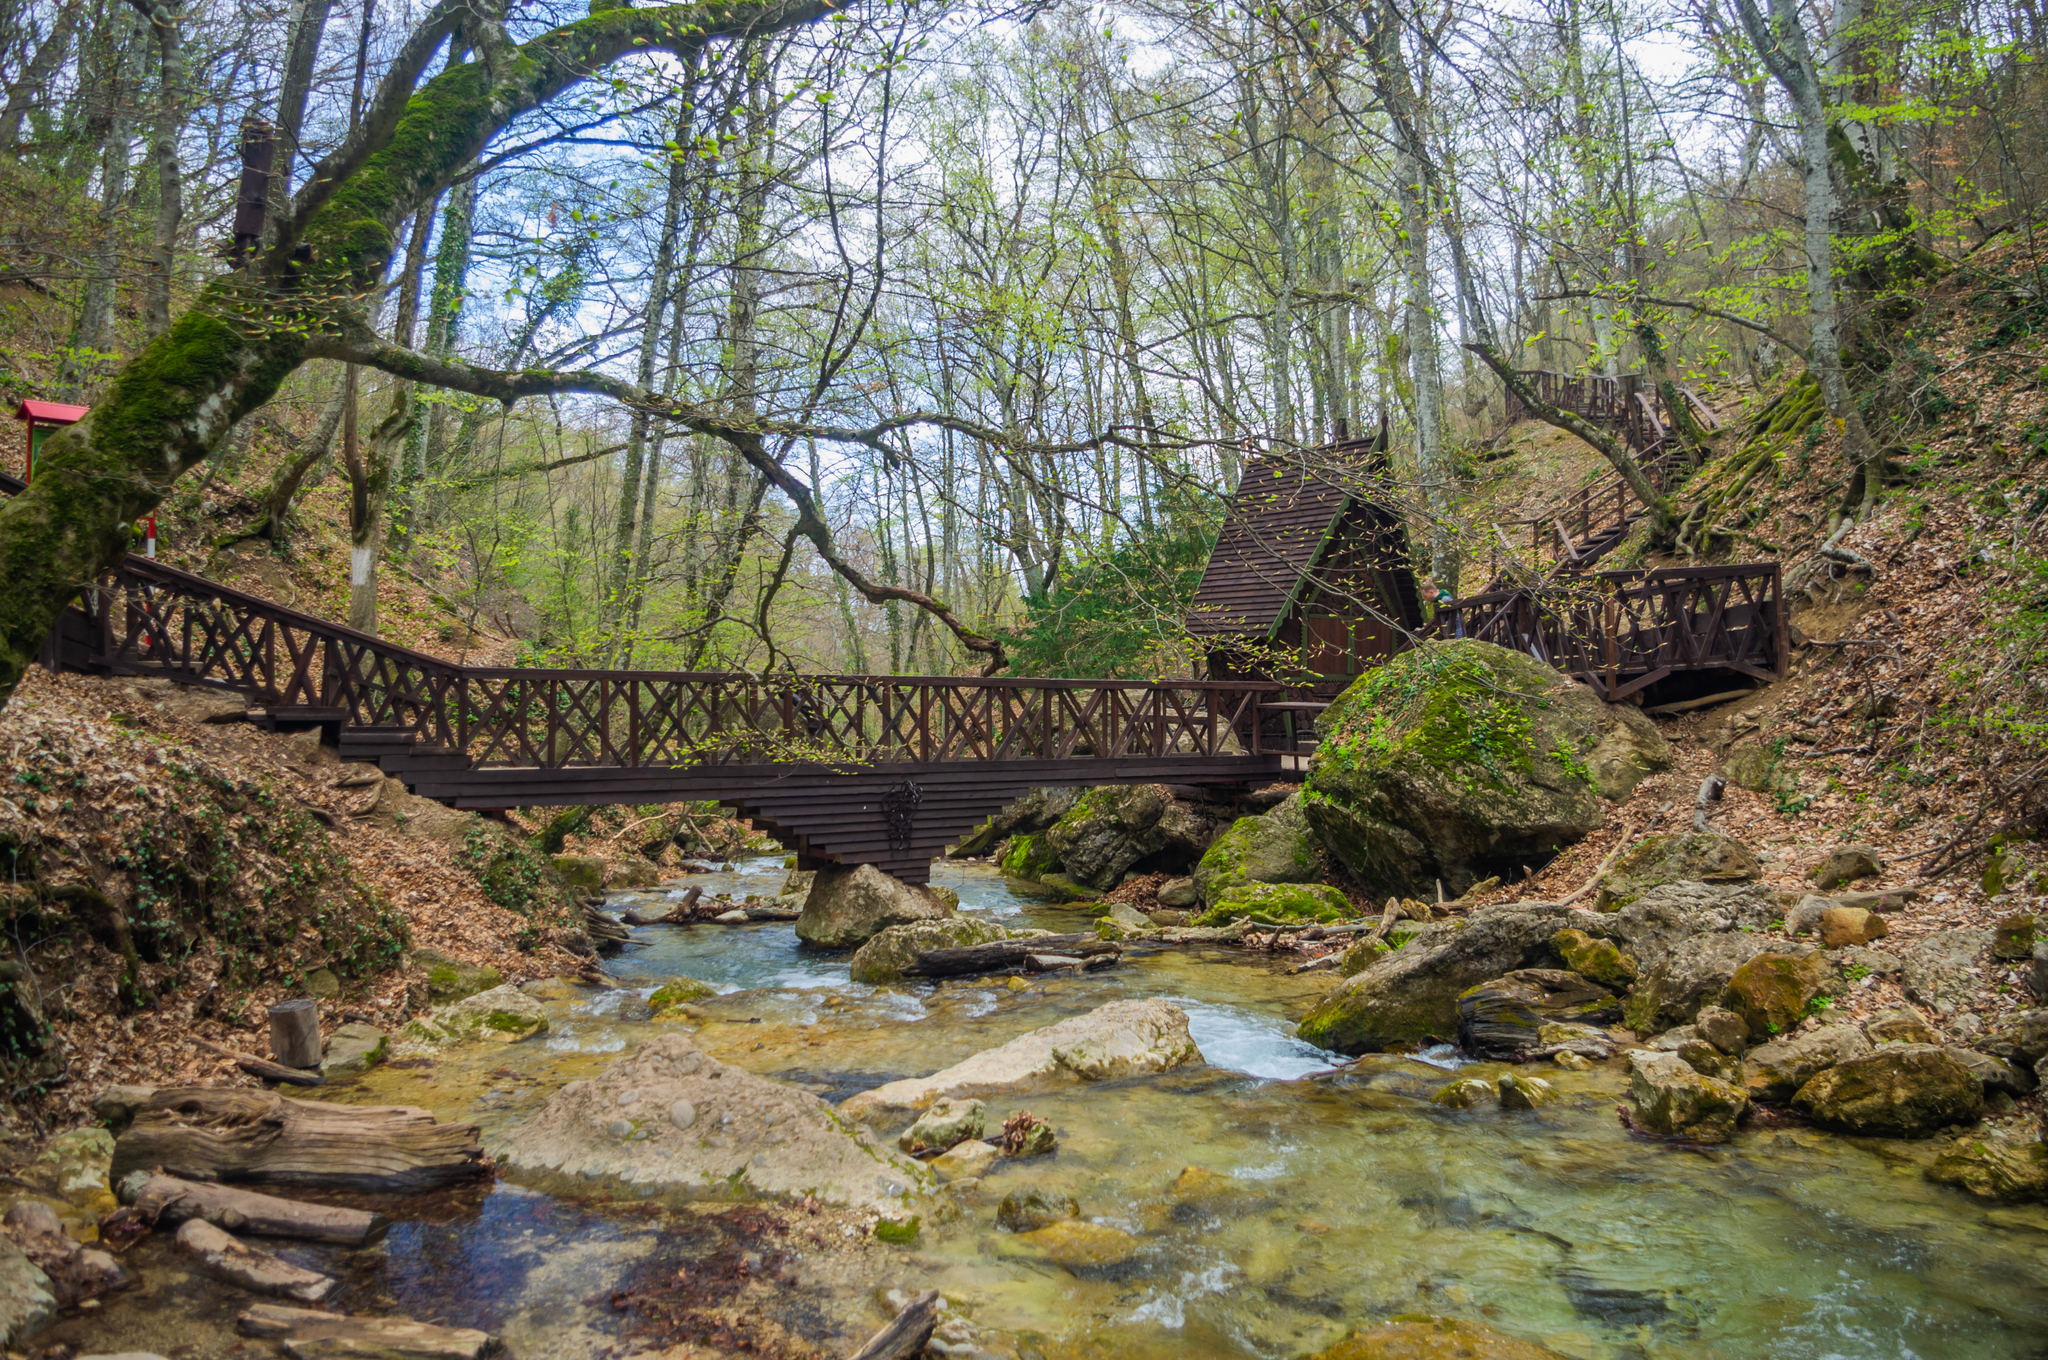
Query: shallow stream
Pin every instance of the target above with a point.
(1353, 1199)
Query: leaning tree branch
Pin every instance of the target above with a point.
(1703, 310)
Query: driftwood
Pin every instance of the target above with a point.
(245, 1267)
(263, 1067)
(305, 1333)
(235, 1134)
(908, 1335)
(602, 929)
(1003, 955)
(295, 1032)
(170, 1200)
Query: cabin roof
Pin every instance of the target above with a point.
(50, 412)
(1285, 512)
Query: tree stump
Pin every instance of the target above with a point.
(295, 1032)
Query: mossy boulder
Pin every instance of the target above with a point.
(1682, 857)
(1995, 1168)
(1035, 811)
(1505, 1018)
(451, 979)
(1279, 847)
(1459, 760)
(585, 873)
(1675, 1099)
(1109, 829)
(1593, 959)
(679, 991)
(1691, 977)
(501, 1015)
(882, 959)
(2014, 937)
(1773, 992)
(1028, 856)
(1899, 1091)
(1281, 903)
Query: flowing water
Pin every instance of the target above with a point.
(1351, 1197)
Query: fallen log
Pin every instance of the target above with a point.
(169, 1200)
(1003, 955)
(263, 1067)
(908, 1335)
(236, 1134)
(1051, 963)
(245, 1267)
(305, 1334)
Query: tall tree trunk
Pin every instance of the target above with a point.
(309, 25)
(35, 77)
(94, 332)
(444, 307)
(170, 179)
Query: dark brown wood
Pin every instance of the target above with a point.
(1002, 955)
(236, 1134)
(168, 1199)
(295, 1032)
(303, 1332)
(263, 1067)
(908, 1335)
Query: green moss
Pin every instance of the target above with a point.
(888, 1230)
(1029, 856)
(1289, 903)
(677, 992)
(504, 1022)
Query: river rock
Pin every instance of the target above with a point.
(1279, 903)
(1121, 1039)
(678, 991)
(1111, 828)
(1126, 920)
(1775, 1071)
(1694, 975)
(1941, 969)
(75, 1272)
(1845, 864)
(1840, 927)
(883, 958)
(1673, 1099)
(1899, 1091)
(1464, 1093)
(848, 907)
(1771, 992)
(1412, 994)
(1595, 960)
(1520, 1091)
(1086, 1249)
(1703, 1058)
(1456, 760)
(1503, 1018)
(451, 979)
(1806, 914)
(28, 1298)
(671, 1120)
(353, 1048)
(1034, 1207)
(1279, 847)
(947, 1122)
(1724, 1029)
(73, 1166)
(1657, 923)
(1996, 1074)
(1681, 857)
(1034, 812)
(1995, 1168)
(1434, 1338)
(965, 1161)
(2037, 972)
(1899, 1027)
(2022, 1040)
(2013, 937)
(1178, 893)
(500, 1015)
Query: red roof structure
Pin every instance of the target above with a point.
(50, 412)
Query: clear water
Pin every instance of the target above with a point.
(1355, 1199)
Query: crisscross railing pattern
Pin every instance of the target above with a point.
(156, 619)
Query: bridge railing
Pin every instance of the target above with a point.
(155, 619)
(1623, 630)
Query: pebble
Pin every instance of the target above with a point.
(620, 1128)
(682, 1114)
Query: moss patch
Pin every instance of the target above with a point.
(1287, 903)
(1029, 856)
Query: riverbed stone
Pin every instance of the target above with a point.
(1279, 903)
(1085, 1249)
(1693, 976)
(1464, 1093)
(1899, 1027)
(884, 957)
(1279, 847)
(1178, 893)
(1680, 857)
(28, 1299)
(2022, 1039)
(1034, 812)
(1775, 1071)
(1656, 924)
(1845, 864)
(1806, 913)
(1504, 1018)
(1034, 1207)
(1724, 1029)
(1941, 969)
(747, 1137)
(1703, 1058)
(847, 907)
(352, 1049)
(1673, 1099)
(1459, 759)
(1996, 1074)
(946, 1123)
(1111, 828)
(679, 991)
(965, 1160)
(501, 1015)
(1995, 1168)
(1899, 1091)
(1520, 1091)
(451, 979)
(1773, 991)
(1434, 1338)
(1599, 961)
(1840, 927)
(1127, 920)
(1120, 1039)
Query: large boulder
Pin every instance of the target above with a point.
(28, 1299)
(1774, 991)
(501, 1015)
(670, 1120)
(1655, 924)
(1121, 1039)
(1941, 969)
(1995, 1168)
(1412, 994)
(1504, 1018)
(1279, 904)
(1279, 847)
(1458, 760)
(1111, 828)
(1775, 1071)
(1692, 976)
(1677, 1101)
(848, 907)
(1035, 811)
(1600, 961)
(1682, 857)
(1899, 1091)
(882, 959)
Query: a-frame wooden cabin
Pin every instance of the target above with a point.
(1309, 563)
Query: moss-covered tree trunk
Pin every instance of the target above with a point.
(225, 357)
